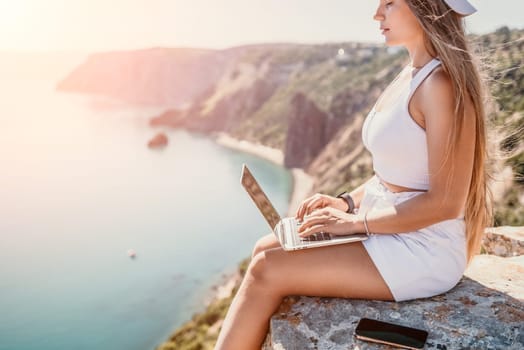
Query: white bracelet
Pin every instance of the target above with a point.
(366, 224)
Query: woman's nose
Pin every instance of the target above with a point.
(378, 14)
(378, 17)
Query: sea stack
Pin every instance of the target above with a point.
(159, 141)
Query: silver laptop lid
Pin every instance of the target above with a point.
(259, 197)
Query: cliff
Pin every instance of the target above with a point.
(157, 76)
(295, 98)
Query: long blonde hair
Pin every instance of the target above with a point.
(445, 38)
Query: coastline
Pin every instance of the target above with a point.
(302, 182)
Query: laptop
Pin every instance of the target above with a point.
(286, 229)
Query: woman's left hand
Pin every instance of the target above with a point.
(329, 220)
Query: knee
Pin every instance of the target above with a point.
(260, 246)
(263, 276)
(258, 269)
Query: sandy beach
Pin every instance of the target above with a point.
(302, 182)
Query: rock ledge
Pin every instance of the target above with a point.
(484, 311)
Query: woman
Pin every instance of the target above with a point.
(424, 209)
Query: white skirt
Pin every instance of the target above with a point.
(416, 264)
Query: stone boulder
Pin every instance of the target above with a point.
(159, 140)
(484, 311)
(504, 241)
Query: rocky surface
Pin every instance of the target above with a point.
(504, 241)
(172, 117)
(228, 111)
(158, 141)
(484, 311)
(307, 133)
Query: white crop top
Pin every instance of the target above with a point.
(396, 142)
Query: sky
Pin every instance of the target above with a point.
(98, 25)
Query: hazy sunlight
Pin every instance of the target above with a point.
(97, 25)
(13, 14)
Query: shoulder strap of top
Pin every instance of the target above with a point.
(421, 75)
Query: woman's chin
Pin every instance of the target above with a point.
(392, 43)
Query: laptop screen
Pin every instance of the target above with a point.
(259, 197)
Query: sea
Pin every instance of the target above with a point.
(79, 188)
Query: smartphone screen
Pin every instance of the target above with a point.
(388, 333)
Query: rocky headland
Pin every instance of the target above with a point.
(160, 140)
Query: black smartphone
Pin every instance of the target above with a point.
(390, 334)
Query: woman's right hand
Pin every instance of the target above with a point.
(319, 201)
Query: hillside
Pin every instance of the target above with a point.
(307, 100)
(157, 76)
(504, 52)
(295, 98)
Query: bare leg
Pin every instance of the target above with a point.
(269, 241)
(337, 271)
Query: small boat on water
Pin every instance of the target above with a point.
(131, 253)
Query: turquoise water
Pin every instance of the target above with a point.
(79, 188)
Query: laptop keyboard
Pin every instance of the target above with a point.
(321, 236)
(291, 234)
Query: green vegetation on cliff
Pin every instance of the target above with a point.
(505, 53)
(201, 332)
(314, 73)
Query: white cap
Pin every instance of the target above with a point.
(462, 7)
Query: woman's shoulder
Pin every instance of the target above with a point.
(436, 92)
(438, 81)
